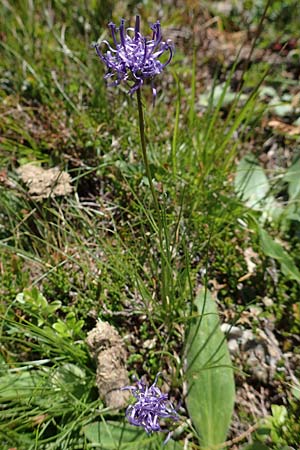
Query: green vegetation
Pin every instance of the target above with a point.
(223, 149)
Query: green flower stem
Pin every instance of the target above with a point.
(164, 282)
(145, 156)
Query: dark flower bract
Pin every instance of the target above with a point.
(135, 58)
(151, 405)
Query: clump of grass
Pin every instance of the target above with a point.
(99, 252)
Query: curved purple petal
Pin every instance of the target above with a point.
(151, 405)
(137, 28)
(134, 58)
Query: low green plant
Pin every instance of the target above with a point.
(276, 430)
(50, 396)
(139, 243)
(36, 305)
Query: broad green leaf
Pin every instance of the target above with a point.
(209, 374)
(251, 182)
(292, 177)
(279, 413)
(296, 391)
(69, 379)
(274, 250)
(252, 185)
(122, 436)
(113, 435)
(282, 106)
(22, 385)
(228, 98)
(172, 445)
(267, 91)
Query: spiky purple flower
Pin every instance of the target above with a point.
(135, 58)
(151, 405)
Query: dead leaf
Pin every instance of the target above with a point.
(282, 127)
(251, 259)
(5, 181)
(44, 183)
(250, 255)
(296, 311)
(296, 100)
(216, 286)
(38, 420)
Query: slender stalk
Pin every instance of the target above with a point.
(176, 128)
(164, 260)
(145, 156)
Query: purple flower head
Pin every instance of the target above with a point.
(134, 58)
(151, 405)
